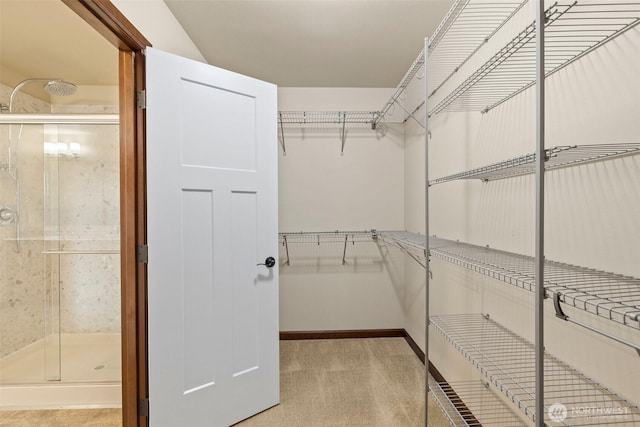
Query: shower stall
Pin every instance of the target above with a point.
(59, 253)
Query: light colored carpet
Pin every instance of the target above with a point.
(60, 418)
(376, 382)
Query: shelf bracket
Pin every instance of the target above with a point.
(410, 114)
(344, 133)
(286, 248)
(344, 252)
(284, 150)
(556, 304)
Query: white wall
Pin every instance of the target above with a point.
(591, 210)
(320, 190)
(156, 22)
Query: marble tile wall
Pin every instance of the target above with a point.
(75, 203)
(22, 316)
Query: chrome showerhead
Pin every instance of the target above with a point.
(52, 86)
(60, 88)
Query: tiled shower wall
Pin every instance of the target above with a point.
(78, 199)
(22, 315)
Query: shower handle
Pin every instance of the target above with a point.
(269, 262)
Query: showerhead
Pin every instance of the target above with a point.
(60, 88)
(52, 86)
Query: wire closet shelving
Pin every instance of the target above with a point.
(334, 119)
(473, 404)
(467, 27)
(607, 295)
(572, 30)
(506, 360)
(320, 237)
(556, 157)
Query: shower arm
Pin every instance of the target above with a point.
(20, 85)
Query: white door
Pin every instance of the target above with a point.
(212, 217)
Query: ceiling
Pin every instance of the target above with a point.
(44, 38)
(293, 43)
(312, 43)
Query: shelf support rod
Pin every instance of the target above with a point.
(286, 248)
(427, 253)
(284, 150)
(344, 133)
(344, 252)
(411, 114)
(539, 237)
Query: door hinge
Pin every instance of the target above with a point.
(143, 407)
(141, 99)
(142, 254)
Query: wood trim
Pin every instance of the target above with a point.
(414, 346)
(356, 333)
(141, 235)
(128, 262)
(105, 18)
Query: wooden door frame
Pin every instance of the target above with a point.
(105, 18)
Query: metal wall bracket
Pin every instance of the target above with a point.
(556, 304)
(344, 134)
(286, 247)
(284, 149)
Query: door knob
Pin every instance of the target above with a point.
(269, 262)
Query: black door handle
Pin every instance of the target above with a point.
(269, 262)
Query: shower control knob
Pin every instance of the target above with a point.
(269, 262)
(7, 215)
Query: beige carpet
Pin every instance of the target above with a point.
(375, 382)
(62, 418)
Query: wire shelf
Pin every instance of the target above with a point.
(417, 64)
(327, 117)
(466, 27)
(557, 157)
(607, 295)
(473, 404)
(571, 31)
(508, 361)
(321, 237)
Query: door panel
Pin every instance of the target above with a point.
(212, 217)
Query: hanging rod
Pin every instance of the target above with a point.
(572, 31)
(319, 237)
(59, 119)
(507, 361)
(556, 158)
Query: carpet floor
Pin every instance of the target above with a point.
(375, 382)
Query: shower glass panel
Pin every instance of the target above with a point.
(59, 251)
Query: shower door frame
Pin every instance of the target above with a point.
(105, 18)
